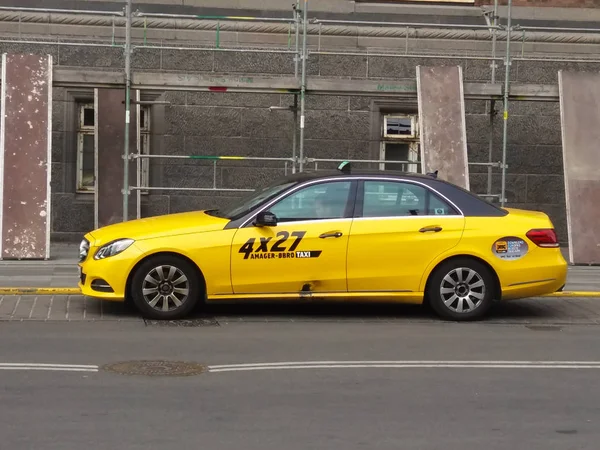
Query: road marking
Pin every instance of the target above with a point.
(337, 365)
(32, 307)
(16, 306)
(49, 367)
(406, 365)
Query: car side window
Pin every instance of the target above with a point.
(398, 199)
(316, 202)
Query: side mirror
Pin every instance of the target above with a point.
(265, 219)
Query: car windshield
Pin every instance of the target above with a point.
(245, 205)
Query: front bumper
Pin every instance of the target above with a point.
(107, 278)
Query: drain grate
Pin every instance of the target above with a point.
(544, 327)
(156, 368)
(203, 322)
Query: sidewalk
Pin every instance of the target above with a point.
(61, 271)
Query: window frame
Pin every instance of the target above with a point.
(413, 155)
(414, 127)
(360, 199)
(144, 137)
(412, 140)
(82, 130)
(350, 201)
(348, 212)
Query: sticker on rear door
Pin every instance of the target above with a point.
(510, 248)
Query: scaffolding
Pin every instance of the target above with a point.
(301, 27)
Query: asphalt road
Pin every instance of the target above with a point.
(344, 402)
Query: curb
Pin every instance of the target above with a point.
(574, 294)
(77, 291)
(39, 291)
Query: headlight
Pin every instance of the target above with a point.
(113, 248)
(84, 248)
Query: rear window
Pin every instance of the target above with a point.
(469, 203)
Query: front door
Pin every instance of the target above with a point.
(399, 230)
(305, 251)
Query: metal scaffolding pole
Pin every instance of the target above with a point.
(127, 111)
(138, 161)
(201, 17)
(398, 24)
(61, 11)
(492, 101)
(303, 84)
(296, 64)
(505, 115)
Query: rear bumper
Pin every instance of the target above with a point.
(544, 277)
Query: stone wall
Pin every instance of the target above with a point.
(336, 127)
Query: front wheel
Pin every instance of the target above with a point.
(165, 288)
(461, 289)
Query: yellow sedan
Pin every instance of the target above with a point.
(340, 235)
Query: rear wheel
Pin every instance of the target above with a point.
(461, 289)
(165, 287)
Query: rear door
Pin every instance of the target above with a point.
(399, 228)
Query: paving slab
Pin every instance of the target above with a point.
(62, 308)
(78, 308)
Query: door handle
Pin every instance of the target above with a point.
(427, 229)
(333, 234)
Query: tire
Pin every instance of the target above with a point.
(182, 288)
(467, 298)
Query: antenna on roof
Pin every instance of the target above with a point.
(433, 174)
(344, 167)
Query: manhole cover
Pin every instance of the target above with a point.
(156, 368)
(205, 322)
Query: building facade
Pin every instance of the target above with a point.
(189, 122)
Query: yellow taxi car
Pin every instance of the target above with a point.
(338, 235)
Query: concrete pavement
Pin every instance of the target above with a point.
(537, 311)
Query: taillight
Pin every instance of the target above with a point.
(545, 237)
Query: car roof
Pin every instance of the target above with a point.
(307, 176)
(468, 202)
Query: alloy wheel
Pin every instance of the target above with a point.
(462, 290)
(165, 288)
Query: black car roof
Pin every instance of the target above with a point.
(468, 202)
(307, 176)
